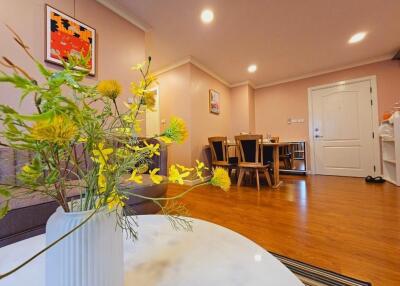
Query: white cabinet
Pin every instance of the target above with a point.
(391, 154)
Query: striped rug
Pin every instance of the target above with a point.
(314, 276)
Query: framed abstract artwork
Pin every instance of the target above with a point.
(214, 101)
(66, 35)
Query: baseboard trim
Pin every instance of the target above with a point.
(196, 181)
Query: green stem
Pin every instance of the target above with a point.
(2, 276)
(170, 198)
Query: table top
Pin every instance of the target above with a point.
(210, 255)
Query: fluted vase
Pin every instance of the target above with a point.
(91, 256)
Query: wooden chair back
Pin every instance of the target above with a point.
(250, 148)
(219, 149)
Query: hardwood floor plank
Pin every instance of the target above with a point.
(338, 223)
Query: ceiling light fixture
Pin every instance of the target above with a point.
(207, 16)
(252, 68)
(357, 37)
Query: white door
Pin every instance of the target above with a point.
(342, 127)
(153, 117)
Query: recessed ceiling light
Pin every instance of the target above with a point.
(357, 37)
(207, 16)
(252, 68)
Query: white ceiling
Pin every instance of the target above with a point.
(287, 39)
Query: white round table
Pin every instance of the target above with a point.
(210, 255)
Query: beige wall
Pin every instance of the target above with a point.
(243, 109)
(184, 92)
(275, 104)
(174, 88)
(120, 44)
(203, 123)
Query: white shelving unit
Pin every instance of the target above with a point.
(391, 155)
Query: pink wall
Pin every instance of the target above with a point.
(184, 92)
(120, 44)
(174, 88)
(243, 109)
(252, 110)
(203, 123)
(240, 111)
(275, 104)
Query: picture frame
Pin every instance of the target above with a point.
(66, 35)
(214, 101)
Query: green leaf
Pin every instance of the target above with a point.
(4, 210)
(4, 192)
(45, 72)
(37, 117)
(52, 177)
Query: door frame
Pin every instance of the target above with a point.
(375, 120)
(157, 108)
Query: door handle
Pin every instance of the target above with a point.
(319, 136)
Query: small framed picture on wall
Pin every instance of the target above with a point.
(66, 36)
(214, 101)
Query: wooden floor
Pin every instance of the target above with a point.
(341, 224)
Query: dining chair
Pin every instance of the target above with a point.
(220, 154)
(251, 157)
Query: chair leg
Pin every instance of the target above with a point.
(241, 173)
(267, 177)
(258, 180)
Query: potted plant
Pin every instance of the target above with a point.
(85, 235)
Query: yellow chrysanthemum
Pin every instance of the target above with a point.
(59, 130)
(109, 88)
(176, 131)
(175, 176)
(221, 179)
(156, 179)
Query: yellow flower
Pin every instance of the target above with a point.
(138, 89)
(137, 126)
(183, 168)
(102, 154)
(124, 131)
(221, 179)
(28, 171)
(136, 178)
(199, 169)
(115, 200)
(149, 100)
(175, 176)
(109, 88)
(166, 139)
(101, 183)
(154, 177)
(176, 131)
(153, 149)
(59, 130)
(132, 107)
(139, 66)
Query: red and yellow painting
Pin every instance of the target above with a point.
(66, 36)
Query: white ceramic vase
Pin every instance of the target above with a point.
(90, 256)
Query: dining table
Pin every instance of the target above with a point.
(275, 155)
